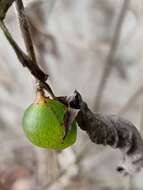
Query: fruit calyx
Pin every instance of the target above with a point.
(40, 97)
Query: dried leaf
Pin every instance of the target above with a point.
(114, 131)
(69, 116)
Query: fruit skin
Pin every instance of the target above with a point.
(43, 124)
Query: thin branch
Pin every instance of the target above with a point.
(23, 58)
(11, 105)
(111, 56)
(36, 20)
(131, 100)
(26, 61)
(23, 20)
(78, 159)
(28, 41)
(4, 6)
(29, 60)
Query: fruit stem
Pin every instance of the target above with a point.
(40, 96)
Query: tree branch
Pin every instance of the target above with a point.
(29, 60)
(110, 59)
(23, 20)
(23, 58)
(4, 6)
(131, 100)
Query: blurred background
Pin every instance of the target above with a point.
(94, 46)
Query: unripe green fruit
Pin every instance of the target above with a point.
(43, 124)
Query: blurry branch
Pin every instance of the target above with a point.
(51, 6)
(78, 159)
(42, 40)
(29, 60)
(11, 105)
(141, 122)
(111, 56)
(28, 41)
(131, 100)
(25, 30)
(6, 81)
(23, 58)
(131, 183)
(4, 6)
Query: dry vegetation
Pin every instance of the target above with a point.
(94, 46)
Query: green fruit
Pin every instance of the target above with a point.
(43, 124)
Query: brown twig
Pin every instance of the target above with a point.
(23, 20)
(29, 60)
(111, 56)
(23, 58)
